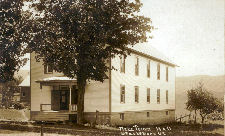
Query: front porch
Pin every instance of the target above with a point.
(62, 101)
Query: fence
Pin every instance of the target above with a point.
(184, 118)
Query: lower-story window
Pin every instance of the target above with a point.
(121, 116)
(136, 94)
(147, 114)
(167, 112)
(167, 99)
(122, 93)
(158, 96)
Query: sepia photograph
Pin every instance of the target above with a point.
(112, 68)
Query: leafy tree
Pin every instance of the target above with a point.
(8, 89)
(199, 99)
(77, 37)
(12, 30)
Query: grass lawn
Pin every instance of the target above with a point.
(176, 129)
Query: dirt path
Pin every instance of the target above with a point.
(19, 133)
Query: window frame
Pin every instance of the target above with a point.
(121, 116)
(148, 114)
(167, 97)
(158, 71)
(122, 95)
(46, 69)
(167, 74)
(167, 113)
(158, 96)
(149, 69)
(148, 95)
(136, 94)
(136, 66)
(122, 64)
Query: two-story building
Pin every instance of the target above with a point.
(140, 91)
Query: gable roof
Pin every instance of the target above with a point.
(151, 52)
(26, 81)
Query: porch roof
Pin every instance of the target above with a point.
(57, 80)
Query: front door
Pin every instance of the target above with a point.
(64, 100)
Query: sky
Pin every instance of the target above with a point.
(189, 32)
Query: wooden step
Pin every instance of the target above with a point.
(51, 116)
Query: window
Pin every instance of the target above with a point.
(167, 74)
(23, 94)
(158, 72)
(136, 94)
(148, 69)
(121, 116)
(48, 69)
(122, 93)
(122, 64)
(64, 87)
(137, 66)
(158, 96)
(167, 112)
(148, 95)
(167, 101)
(147, 114)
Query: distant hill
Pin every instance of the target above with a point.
(214, 84)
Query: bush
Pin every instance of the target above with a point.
(18, 106)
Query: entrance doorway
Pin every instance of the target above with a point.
(60, 98)
(64, 100)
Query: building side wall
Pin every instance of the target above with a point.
(129, 79)
(38, 96)
(97, 96)
(140, 118)
(131, 118)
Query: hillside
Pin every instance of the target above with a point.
(215, 84)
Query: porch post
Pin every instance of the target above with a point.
(70, 98)
(41, 97)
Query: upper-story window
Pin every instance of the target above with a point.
(48, 69)
(136, 66)
(122, 93)
(158, 71)
(158, 96)
(148, 69)
(122, 64)
(136, 94)
(148, 95)
(167, 74)
(167, 98)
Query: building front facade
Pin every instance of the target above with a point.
(140, 91)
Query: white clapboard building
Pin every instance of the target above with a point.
(140, 91)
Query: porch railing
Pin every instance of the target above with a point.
(73, 107)
(45, 107)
